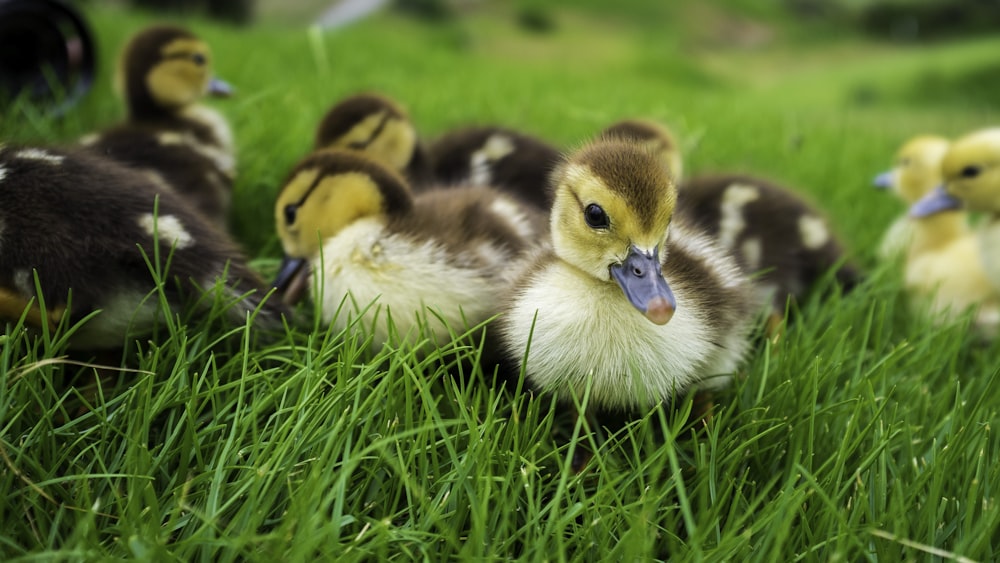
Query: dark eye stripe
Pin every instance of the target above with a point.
(361, 145)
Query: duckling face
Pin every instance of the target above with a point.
(612, 208)
(167, 67)
(971, 170)
(918, 168)
(373, 125)
(655, 137)
(326, 192)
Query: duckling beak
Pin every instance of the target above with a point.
(220, 88)
(883, 180)
(641, 278)
(936, 201)
(292, 279)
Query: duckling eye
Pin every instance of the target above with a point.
(198, 59)
(291, 211)
(595, 216)
(970, 172)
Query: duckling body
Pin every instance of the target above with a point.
(778, 238)
(496, 156)
(622, 304)
(167, 133)
(436, 260)
(381, 129)
(83, 225)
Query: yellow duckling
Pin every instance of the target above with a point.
(437, 259)
(633, 301)
(86, 226)
(777, 237)
(496, 156)
(942, 272)
(164, 72)
(917, 172)
(971, 174)
(380, 128)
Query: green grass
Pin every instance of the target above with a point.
(866, 435)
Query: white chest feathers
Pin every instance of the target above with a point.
(400, 288)
(583, 332)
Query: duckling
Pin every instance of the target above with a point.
(942, 270)
(632, 300)
(917, 171)
(437, 259)
(971, 173)
(778, 238)
(380, 128)
(496, 156)
(86, 226)
(164, 72)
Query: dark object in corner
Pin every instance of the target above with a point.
(46, 52)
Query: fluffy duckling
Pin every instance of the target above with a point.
(917, 172)
(164, 72)
(942, 270)
(86, 227)
(380, 128)
(496, 156)
(632, 299)
(778, 238)
(438, 259)
(971, 174)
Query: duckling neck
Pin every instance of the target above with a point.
(938, 230)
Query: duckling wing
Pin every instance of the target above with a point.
(494, 156)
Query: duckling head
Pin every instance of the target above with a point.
(613, 201)
(971, 174)
(324, 193)
(165, 69)
(655, 137)
(372, 124)
(917, 170)
(971, 170)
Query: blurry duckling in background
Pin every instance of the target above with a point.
(86, 227)
(778, 238)
(632, 300)
(917, 172)
(380, 128)
(496, 156)
(943, 272)
(438, 259)
(164, 73)
(971, 174)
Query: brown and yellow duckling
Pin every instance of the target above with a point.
(779, 238)
(437, 259)
(164, 73)
(496, 156)
(380, 128)
(633, 301)
(86, 227)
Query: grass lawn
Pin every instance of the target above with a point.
(865, 435)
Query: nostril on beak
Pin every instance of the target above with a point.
(637, 272)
